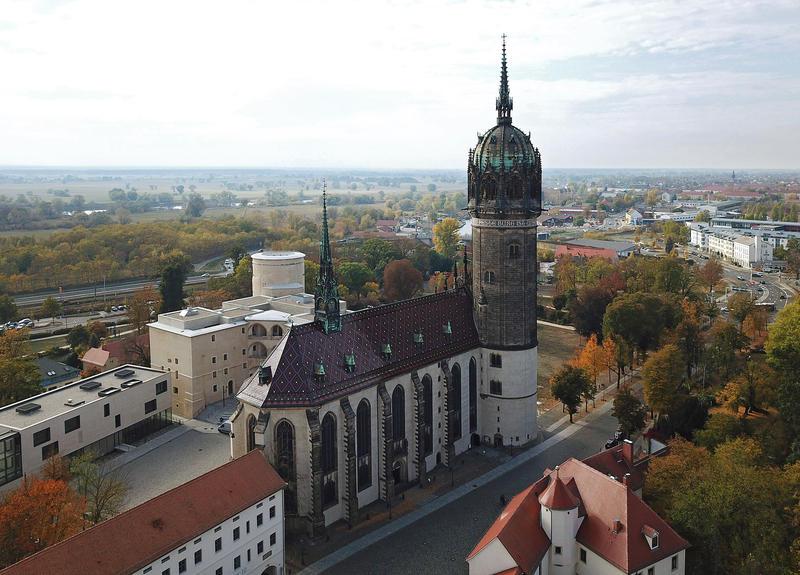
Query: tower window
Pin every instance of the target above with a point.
(495, 360)
(496, 387)
(513, 251)
(488, 277)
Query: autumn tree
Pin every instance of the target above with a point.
(566, 274)
(51, 307)
(709, 274)
(99, 329)
(78, 336)
(401, 280)
(445, 237)
(695, 492)
(629, 411)
(725, 342)
(103, 489)
(37, 514)
(688, 336)
(210, 299)
(588, 309)
(568, 385)
(741, 305)
(662, 374)
(19, 376)
(195, 206)
(311, 273)
(783, 354)
(592, 359)
(142, 305)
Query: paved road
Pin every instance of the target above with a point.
(439, 542)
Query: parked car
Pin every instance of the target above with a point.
(114, 308)
(740, 278)
(616, 440)
(783, 296)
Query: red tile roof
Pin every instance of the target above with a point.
(149, 531)
(604, 501)
(519, 529)
(557, 496)
(364, 334)
(614, 462)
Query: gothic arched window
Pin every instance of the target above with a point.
(363, 445)
(427, 394)
(473, 395)
(251, 432)
(258, 330)
(514, 251)
(488, 277)
(330, 493)
(399, 419)
(277, 331)
(488, 189)
(284, 461)
(454, 402)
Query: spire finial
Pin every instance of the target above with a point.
(504, 102)
(326, 308)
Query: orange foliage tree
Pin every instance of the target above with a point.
(401, 280)
(39, 513)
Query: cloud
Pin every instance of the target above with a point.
(394, 83)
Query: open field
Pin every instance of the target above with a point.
(556, 346)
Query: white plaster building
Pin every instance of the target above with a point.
(746, 248)
(228, 521)
(581, 518)
(209, 353)
(97, 413)
(633, 217)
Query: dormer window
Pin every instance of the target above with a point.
(447, 328)
(350, 362)
(319, 371)
(651, 535)
(419, 339)
(386, 351)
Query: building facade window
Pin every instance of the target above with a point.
(182, 566)
(427, 396)
(10, 458)
(117, 420)
(218, 544)
(674, 562)
(272, 539)
(473, 395)
(513, 251)
(106, 410)
(363, 445)
(150, 406)
(272, 512)
(161, 387)
(259, 519)
(583, 555)
(496, 387)
(284, 459)
(237, 561)
(50, 450)
(236, 534)
(277, 331)
(330, 493)
(41, 436)
(72, 424)
(454, 402)
(488, 277)
(260, 547)
(495, 360)
(399, 419)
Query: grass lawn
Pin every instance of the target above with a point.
(556, 347)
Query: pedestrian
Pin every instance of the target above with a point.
(502, 500)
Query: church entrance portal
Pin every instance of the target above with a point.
(475, 440)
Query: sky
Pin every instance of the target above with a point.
(398, 84)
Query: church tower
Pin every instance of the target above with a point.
(326, 294)
(505, 198)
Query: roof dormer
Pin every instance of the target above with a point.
(651, 535)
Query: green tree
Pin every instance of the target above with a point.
(445, 237)
(629, 411)
(8, 309)
(311, 273)
(662, 374)
(354, 275)
(50, 307)
(568, 385)
(173, 277)
(783, 354)
(78, 336)
(19, 376)
(719, 428)
(195, 206)
(377, 253)
(640, 319)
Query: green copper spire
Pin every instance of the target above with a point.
(504, 102)
(326, 295)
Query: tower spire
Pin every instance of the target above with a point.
(504, 103)
(326, 294)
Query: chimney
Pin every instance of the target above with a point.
(625, 479)
(616, 526)
(627, 451)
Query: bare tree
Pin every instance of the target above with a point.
(103, 488)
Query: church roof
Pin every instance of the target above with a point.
(356, 356)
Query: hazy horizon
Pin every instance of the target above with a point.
(398, 85)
